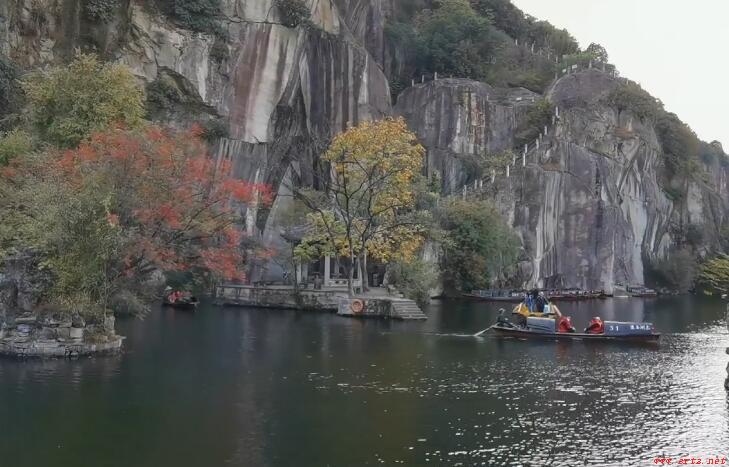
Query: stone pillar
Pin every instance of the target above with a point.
(523, 158)
(327, 270)
(493, 175)
(537, 142)
(435, 76)
(412, 82)
(465, 189)
(507, 171)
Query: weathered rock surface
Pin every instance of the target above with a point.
(589, 206)
(29, 330)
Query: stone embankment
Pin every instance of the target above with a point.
(29, 335)
(331, 300)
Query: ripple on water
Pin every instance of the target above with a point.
(619, 406)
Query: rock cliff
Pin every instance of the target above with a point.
(589, 204)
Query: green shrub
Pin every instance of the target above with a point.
(13, 144)
(630, 96)
(196, 15)
(680, 144)
(101, 10)
(479, 246)
(539, 115)
(215, 129)
(10, 90)
(454, 39)
(293, 13)
(68, 103)
(414, 280)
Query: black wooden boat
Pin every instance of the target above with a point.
(641, 292)
(189, 302)
(497, 295)
(510, 330)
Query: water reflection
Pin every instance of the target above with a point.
(255, 387)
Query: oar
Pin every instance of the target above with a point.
(478, 334)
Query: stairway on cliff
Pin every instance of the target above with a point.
(406, 310)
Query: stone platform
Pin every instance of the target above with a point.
(47, 348)
(54, 336)
(375, 303)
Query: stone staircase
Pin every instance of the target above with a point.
(406, 310)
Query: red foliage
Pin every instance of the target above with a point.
(169, 196)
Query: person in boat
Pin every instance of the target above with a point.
(529, 301)
(564, 324)
(540, 302)
(596, 326)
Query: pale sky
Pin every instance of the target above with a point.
(677, 50)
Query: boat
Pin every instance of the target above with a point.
(640, 291)
(497, 295)
(553, 325)
(511, 330)
(574, 294)
(181, 300)
(516, 296)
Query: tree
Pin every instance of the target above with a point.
(67, 104)
(714, 274)
(293, 12)
(369, 195)
(123, 205)
(14, 143)
(479, 247)
(415, 279)
(453, 39)
(598, 52)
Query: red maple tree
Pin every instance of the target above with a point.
(178, 207)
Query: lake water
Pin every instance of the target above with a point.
(245, 387)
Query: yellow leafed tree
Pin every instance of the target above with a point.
(370, 195)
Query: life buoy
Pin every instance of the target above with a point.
(357, 306)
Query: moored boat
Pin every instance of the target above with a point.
(497, 295)
(641, 292)
(181, 300)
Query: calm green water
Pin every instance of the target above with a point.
(253, 387)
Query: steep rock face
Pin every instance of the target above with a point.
(588, 206)
(284, 92)
(458, 119)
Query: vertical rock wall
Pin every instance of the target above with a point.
(589, 205)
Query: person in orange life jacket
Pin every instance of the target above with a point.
(596, 326)
(565, 324)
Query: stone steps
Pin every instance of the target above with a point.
(407, 310)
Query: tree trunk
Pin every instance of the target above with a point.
(295, 264)
(350, 277)
(363, 269)
(350, 271)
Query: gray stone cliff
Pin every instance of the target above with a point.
(589, 205)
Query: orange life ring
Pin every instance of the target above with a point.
(357, 306)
